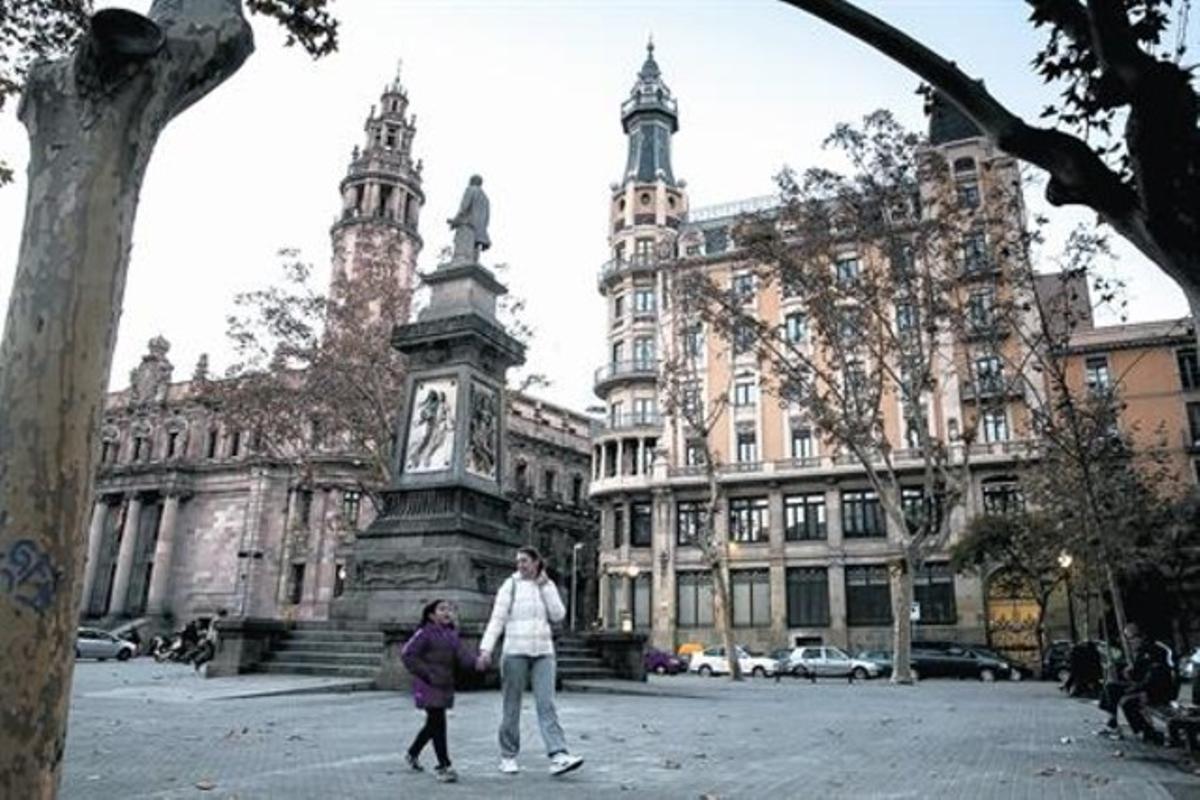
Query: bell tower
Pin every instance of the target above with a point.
(382, 198)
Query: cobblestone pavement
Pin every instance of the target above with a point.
(142, 730)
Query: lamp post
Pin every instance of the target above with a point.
(574, 572)
(1065, 560)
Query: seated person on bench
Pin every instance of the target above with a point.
(1151, 682)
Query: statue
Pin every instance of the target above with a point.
(470, 225)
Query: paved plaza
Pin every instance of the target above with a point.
(145, 730)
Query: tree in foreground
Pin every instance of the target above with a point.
(94, 106)
(1125, 141)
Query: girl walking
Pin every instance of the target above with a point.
(430, 655)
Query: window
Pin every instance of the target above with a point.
(907, 317)
(802, 442)
(1193, 412)
(618, 525)
(743, 337)
(616, 599)
(743, 287)
(521, 477)
(645, 409)
(748, 519)
(795, 327)
(804, 517)
(693, 341)
(968, 194)
(210, 451)
(1002, 496)
(235, 444)
(751, 601)
(846, 270)
(172, 444)
(903, 261)
(862, 516)
(643, 249)
(912, 430)
(995, 425)
(693, 454)
(964, 164)
(641, 600)
(643, 352)
(747, 447)
(643, 301)
(989, 373)
(933, 588)
(618, 310)
(807, 597)
(919, 508)
(141, 448)
(975, 252)
(716, 240)
(618, 353)
(577, 490)
(689, 522)
(980, 309)
(296, 583)
(108, 451)
(351, 504)
(745, 393)
(1096, 374)
(856, 382)
(641, 523)
(1189, 368)
(868, 596)
(694, 594)
(690, 400)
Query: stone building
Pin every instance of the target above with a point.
(190, 518)
(810, 544)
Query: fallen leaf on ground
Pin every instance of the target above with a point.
(669, 764)
(1048, 771)
(206, 785)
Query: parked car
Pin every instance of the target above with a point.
(1017, 670)
(713, 662)
(1056, 660)
(881, 658)
(950, 660)
(686, 650)
(102, 645)
(662, 662)
(833, 662)
(784, 665)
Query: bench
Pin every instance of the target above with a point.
(1182, 721)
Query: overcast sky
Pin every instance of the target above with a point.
(527, 94)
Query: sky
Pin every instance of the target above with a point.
(527, 94)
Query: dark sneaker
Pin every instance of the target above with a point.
(412, 762)
(446, 774)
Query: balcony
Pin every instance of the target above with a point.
(616, 371)
(638, 262)
(988, 388)
(628, 422)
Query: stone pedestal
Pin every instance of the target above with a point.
(444, 530)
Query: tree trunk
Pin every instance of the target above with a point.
(722, 617)
(902, 599)
(93, 120)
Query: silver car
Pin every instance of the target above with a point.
(101, 645)
(833, 662)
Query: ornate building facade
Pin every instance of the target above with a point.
(810, 543)
(190, 518)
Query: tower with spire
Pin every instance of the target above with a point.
(382, 198)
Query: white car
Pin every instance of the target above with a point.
(101, 645)
(713, 662)
(833, 662)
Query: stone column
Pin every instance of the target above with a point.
(160, 576)
(640, 456)
(120, 587)
(312, 567)
(95, 539)
(662, 613)
(620, 457)
(777, 566)
(833, 518)
(838, 632)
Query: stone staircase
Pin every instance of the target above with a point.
(578, 662)
(334, 649)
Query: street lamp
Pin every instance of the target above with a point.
(1065, 560)
(574, 572)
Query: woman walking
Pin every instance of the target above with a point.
(525, 606)
(430, 655)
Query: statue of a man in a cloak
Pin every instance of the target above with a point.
(470, 224)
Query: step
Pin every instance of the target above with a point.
(365, 648)
(336, 625)
(586, 675)
(334, 637)
(332, 659)
(291, 668)
(579, 663)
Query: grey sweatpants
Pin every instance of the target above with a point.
(515, 671)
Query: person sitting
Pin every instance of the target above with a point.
(1150, 682)
(1086, 671)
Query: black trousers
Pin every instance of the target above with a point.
(435, 729)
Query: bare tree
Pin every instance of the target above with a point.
(693, 417)
(94, 109)
(1119, 64)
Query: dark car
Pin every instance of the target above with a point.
(1017, 670)
(663, 663)
(881, 657)
(950, 660)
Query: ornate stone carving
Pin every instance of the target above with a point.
(149, 381)
(482, 439)
(431, 426)
(400, 572)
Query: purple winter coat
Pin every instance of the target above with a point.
(429, 654)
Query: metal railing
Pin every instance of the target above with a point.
(631, 367)
(620, 422)
(750, 205)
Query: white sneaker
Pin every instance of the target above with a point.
(563, 763)
(509, 766)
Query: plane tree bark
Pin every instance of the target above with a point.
(93, 119)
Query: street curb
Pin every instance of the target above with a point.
(634, 690)
(345, 688)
